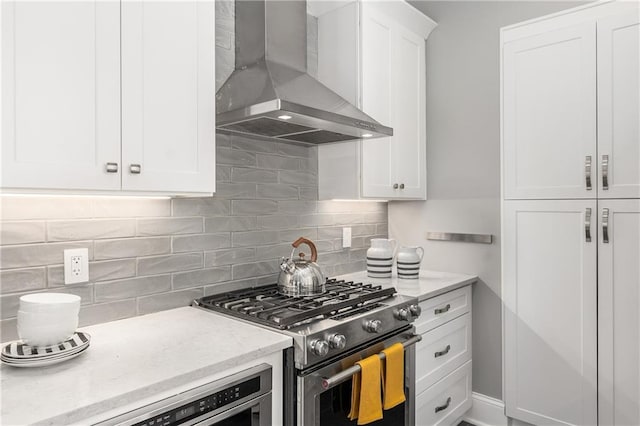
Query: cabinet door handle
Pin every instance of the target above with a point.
(111, 167)
(442, 310)
(442, 352)
(402, 186)
(605, 172)
(587, 225)
(444, 406)
(395, 186)
(605, 226)
(135, 169)
(587, 172)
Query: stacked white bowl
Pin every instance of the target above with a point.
(46, 319)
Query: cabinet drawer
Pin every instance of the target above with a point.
(443, 308)
(446, 401)
(442, 350)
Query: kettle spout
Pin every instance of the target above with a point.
(287, 265)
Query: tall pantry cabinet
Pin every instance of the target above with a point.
(571, 216)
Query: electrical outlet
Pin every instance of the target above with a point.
(346, 237)
(76, 266)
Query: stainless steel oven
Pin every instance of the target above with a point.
(242, 399)
(323, 393)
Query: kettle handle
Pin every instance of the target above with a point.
(302, 240)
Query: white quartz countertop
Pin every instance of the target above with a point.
(428, 285)
(133, 360)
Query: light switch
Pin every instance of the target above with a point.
(346, 237)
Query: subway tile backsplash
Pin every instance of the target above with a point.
(148, 255)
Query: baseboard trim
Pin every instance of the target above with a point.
(486, 411)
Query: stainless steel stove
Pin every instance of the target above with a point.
(331, 331)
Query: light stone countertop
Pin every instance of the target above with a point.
(133, 360)
(430, 283)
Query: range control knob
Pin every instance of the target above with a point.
(402, 314)
(416, 310)
(337, 341)
(319, 347)
(373, 326)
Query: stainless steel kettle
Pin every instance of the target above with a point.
(301, 277)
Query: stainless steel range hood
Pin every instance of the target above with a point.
(270, 93)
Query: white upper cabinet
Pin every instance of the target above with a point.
(549, 114)
(619, 106)
(550, 329)
(168, 96)
(618, 313)
(104, 96)
(61, 95)
(388, 82)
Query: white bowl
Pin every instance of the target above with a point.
(38, 318)
(49, 301)
(45, 335)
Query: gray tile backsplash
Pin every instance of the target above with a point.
(153, 254)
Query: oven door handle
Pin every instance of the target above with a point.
(344, 375)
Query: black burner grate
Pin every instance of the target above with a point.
(266, 306)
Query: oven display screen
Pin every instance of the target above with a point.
(185, 412)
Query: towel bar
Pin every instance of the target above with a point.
(346, 374)
(465, 238)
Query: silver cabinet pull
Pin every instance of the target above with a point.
(135, 169)
(111, 167)
(605, 172)
(587, 225)
(402, 186)
(442, 352)
(395, 186)
(442, 310)
(605, 226)
(587, 172)
(443, 407)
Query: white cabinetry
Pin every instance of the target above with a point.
(550, 360)
(443, 358)
(619, 105)
(571, 299)
(103, 96)
(388, 82)
(618, 312)
(60, 94)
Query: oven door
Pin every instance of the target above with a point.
(330, 407)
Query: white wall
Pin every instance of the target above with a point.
(463, 160)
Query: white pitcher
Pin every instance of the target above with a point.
(409, 259)
(380, 257)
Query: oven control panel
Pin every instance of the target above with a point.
(204, 405)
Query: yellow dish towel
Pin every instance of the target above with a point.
(366, 399)
(393, 376)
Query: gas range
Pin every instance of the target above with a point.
(346, 316)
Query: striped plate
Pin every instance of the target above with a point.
(18, 350)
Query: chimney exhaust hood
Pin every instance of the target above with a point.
(270, 94)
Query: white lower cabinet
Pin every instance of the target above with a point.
(446, 401)
(443, 358)
(618, 313)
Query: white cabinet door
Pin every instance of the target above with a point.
(378, 100)
(168, 96)
(409, 125)
(619, 106)
(619, 316)
(549, 292)
(549, 114)
(61, 94)
(393, 93)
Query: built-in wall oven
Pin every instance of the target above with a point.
(323, 393)
(241, 399)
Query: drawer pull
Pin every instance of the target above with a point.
(443, 407)
(442, 310)
(442, 352)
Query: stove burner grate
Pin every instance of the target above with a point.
(265, 305)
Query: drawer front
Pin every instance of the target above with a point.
(442, 350)
(443, 308)
(446, 401)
